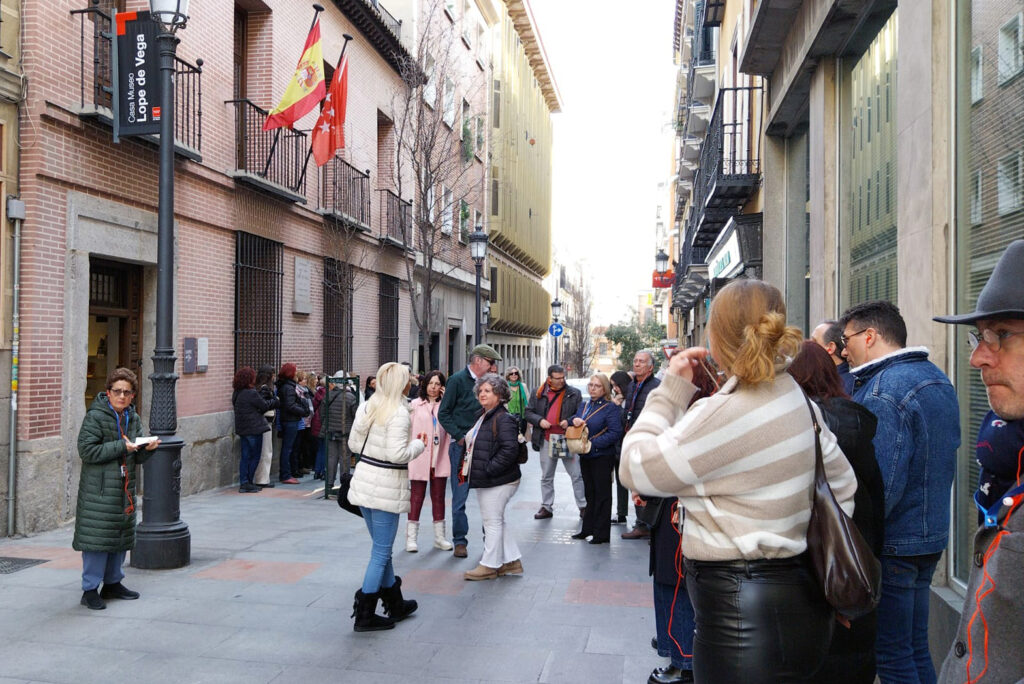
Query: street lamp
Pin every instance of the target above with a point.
(162, 539)
(478, 250)
(556, 310)
(661, 262)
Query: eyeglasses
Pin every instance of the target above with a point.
(511, 373)
(556, 378)
(595, 385)
(990, 337)
(846, 338)
(121, 392)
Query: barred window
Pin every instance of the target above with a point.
(259, 277)
(338, 337)
(389, 293)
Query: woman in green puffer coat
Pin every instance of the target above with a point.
(105, 518)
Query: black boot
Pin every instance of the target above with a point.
(364, 610)
(395, 606)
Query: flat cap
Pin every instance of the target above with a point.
(485, 351)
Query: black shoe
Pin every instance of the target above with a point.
(670, 675)
(248, 488)
(580, 535)
(118, 591)
(654, 643)
(269, 485)
(91, 599)
(396, 607)
(598, 541)
(364, 610)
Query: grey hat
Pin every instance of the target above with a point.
(1003, 294)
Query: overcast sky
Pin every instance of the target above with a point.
(612, 62)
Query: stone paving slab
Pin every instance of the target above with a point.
(267, 597)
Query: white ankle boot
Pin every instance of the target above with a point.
(411, 532)
(439, 537)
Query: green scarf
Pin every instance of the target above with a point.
(517, 404)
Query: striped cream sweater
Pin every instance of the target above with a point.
(741, 463)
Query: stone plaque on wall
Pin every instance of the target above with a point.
(303, 283)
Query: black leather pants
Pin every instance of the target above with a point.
(757, 621)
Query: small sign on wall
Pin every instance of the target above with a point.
(189, 357)
(303, 283)
(196, 356)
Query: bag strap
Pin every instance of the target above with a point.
(819, 463)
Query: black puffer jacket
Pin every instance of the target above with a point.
(250, 405)
(291, 407)
(496, 450)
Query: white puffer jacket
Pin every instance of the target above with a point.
(384, 489)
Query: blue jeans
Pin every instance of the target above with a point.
(460, 492)
(101, 566)
(383, 527)
(252, 449)
(321, 457)
(289, 431)
(682, 618)
(901, 647)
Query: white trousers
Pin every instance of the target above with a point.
(499, 545)
(262, 475)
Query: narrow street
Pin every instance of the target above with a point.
(268, 594)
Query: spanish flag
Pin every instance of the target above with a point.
(307, 86)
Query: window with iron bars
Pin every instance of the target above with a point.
(338, 336)
(259, 279)
(389, 293)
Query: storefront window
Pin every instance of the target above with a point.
(990, 206)
(868, 238)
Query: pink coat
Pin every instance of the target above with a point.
(424, 421)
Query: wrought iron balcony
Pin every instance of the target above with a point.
(345, 193)
(730, 161)
(96, 85)
(273, 160)
(381, 30)
(700, 77)
(395, 220)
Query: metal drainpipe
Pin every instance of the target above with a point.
(16, 212)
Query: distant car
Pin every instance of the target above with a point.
(580, 384)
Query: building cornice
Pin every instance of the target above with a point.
(526, 27)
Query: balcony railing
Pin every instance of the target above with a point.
(395, 219)
(702, 55)
(96, 86)
(345, 192)
(273, 159)
(394, 25)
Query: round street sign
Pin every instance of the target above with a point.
(555, 329)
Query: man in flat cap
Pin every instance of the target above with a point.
(989, 644)
(457, 415)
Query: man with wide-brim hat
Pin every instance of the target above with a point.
(457, 414)
(988, 646)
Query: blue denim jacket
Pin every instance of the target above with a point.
(916, 443)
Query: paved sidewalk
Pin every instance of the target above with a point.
(268, 595)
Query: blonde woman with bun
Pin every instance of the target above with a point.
(742, 464)
(380, 487)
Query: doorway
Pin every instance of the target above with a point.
(115, 324)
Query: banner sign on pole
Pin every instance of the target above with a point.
(136, 60)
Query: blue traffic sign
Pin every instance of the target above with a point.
(556, 329)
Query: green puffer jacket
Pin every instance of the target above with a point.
(101, 523)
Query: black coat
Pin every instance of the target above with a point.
(631, 407)
(666, 564)
(250, 405)
(537, 410)
(291, 408)
(495, 450)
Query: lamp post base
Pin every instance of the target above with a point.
(162, 539)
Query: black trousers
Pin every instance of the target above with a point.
(757, 622)
(621, 493)
(597, 485)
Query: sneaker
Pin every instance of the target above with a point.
(118, 591)
(543, 514)
(91, 600)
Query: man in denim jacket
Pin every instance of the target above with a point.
(987, 648)
(915, 444)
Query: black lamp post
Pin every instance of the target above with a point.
(556, 310)
(478, 250)
(162, 539)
